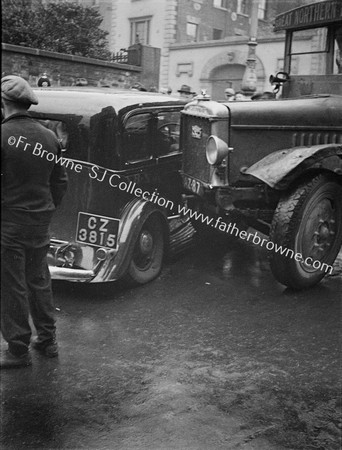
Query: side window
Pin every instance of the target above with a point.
(311, 49)
(241, 7)
(59, 128)
(168, 129)
(136, 138)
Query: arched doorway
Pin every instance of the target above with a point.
(229, 75)
(226, 69)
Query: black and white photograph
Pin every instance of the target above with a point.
(171, 225)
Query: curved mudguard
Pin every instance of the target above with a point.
(280, 168)
(132, 219)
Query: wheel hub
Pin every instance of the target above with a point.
(323, 235)
(145, 242)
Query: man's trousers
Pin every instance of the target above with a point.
(25, 286)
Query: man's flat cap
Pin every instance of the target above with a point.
(16, 89)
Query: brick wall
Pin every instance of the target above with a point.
(69, 70)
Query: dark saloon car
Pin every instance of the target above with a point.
(121, 151)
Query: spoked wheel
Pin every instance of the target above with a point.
(147, 257)
(307, 221)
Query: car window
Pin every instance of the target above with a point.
(59, 128)
(136, 137)
(168, 129)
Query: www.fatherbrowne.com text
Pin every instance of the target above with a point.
(123, 184)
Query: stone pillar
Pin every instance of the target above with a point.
(150, 65)
(250, 80)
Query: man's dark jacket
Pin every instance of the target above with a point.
(33, 184)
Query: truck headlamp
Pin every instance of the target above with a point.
(216, 150)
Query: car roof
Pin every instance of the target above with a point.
(87, 101)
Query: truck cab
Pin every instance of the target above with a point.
(276, 165)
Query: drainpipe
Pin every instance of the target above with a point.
(249, 80)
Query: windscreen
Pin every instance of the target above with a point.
(310, 51)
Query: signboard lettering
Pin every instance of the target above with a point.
(312, 15)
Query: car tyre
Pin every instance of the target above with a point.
(148, 253)
(308, 220)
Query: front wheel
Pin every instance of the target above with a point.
(307, 232)
(148, 253)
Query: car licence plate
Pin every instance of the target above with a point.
(191, 184)
(98, 231)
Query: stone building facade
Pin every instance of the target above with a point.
(204, 43)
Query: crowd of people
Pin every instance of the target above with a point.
(231, 95)
(184, 91)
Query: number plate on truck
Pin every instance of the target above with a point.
(192, 185)
(98, 231)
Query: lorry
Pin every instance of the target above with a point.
(276, 164)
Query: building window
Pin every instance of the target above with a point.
(262, 9)
(241, 7)
(192, 31)
(217, 34)
(220, 4)
(140, 31)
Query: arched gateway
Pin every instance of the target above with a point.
(226, 69)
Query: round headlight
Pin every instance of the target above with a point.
(216, 150)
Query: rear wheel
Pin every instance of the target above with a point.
(148, 253)
(307, 221)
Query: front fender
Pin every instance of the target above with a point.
(280, 168)
(133, 216)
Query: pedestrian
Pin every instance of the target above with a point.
(229, 94)
(32, 188)
(185, 91)
(267, 95)
(240, 96)
(138, 87)
(165, 90)
(44, 81)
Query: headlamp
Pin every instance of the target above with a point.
(216, 150)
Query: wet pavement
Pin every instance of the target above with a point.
(214, 354)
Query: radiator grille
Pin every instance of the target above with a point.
(195, 162)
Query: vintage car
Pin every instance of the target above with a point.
(121, 152)
(276, 165)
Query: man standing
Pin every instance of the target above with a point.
(32, 188)
(229, 94)
(185, 92)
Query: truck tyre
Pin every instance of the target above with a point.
(146, 259)
(308, 220)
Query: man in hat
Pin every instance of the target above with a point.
(185, 91)
(229, 94)
(138, 87)
(44, 81)
(32, 188)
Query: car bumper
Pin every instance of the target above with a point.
(63, 273)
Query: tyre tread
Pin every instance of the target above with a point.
(284, 223)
